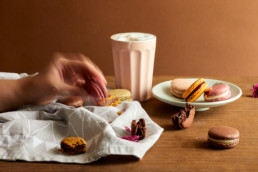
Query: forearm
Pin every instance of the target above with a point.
(13, 94)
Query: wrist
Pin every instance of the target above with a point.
(23, 90)
(13, 94)
(36, 90)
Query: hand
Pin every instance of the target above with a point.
(72, 74)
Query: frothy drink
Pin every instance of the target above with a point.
(133, 56)
(133, 36)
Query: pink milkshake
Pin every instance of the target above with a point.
(133, 56)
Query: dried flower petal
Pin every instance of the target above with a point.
(128, 129)
(202, 137)
(134, 138)
(255, 90)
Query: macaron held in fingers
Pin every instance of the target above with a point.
(195, 90)
(97, 90)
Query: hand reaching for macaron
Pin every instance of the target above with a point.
(72, 74)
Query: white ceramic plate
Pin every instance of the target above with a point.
(161, 91)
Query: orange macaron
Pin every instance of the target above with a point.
(195, 90)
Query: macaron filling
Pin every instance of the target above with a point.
(224, 141)
(217, 96)
(198, 87)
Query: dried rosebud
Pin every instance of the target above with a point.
(255, 90)
(128, 129)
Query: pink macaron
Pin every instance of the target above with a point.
(179, 85)
(217, 93)
(96, 89)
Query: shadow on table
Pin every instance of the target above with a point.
(251, 96)
(200, 144)
(155, 108)
(169, 127)
(108, 160)
(115, 159)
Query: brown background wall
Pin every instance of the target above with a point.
(214, 37)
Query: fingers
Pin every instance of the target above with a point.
(95, 91)
(67, 90)
(92, 67)
(102, 88)
(81, 76)
(83, 65)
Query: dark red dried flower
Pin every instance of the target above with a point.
(255, 90)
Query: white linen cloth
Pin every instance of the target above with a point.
(34, 133)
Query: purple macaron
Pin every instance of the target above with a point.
(218, 92)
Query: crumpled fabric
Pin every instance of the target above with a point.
(34, 133)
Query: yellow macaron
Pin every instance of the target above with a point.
(195, 90)
(122, 94)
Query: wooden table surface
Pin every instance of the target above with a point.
(179, 150)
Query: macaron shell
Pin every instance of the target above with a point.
(223, 145)
(174, 93)
(122, 94)
(223, 133)
(197, 93)
(179, 86)
(218, 89)
(192, 87)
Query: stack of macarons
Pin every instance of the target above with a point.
(191, 91)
